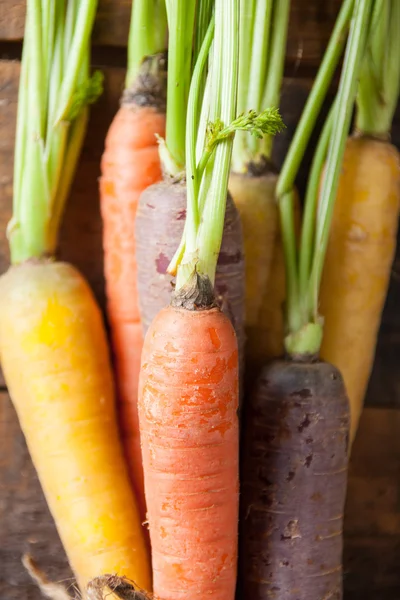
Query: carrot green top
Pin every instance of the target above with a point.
(209, 144)
(379, 85)
(304, 267)
(55, 89)
(263, 34)
(181, 15)
(147, 34)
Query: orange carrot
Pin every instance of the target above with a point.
(130, 163)
(188, 398)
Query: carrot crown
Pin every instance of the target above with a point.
(379, 84)
(209, 139)
(55, 90)
(147, 34)
(263, 34)
(304, 268)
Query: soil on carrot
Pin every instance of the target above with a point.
(150, 86)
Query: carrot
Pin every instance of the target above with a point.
(188, 387)
(292, 500)
(255, 200)
(162, 206)
(64, 399)
(295, 446)
(188, 401)
(131, 163)
(53, 345)
(364, 227)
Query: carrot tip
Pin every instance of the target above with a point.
(122, 588)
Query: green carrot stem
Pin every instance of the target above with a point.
(342, 117)
(193, 176)
(380, 76)
(47, 148)
(204, 15)
(310, 205)
(79, 46)
(286, 212)
(202, 241)
(315, 100)
(180, 15)
(223, 106)
(147, 34)
(204, 12)
(259, 61)
(240, 155)
(280, 21)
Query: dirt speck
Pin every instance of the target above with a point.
(308, 460)
(304, 394)
(305, 423)
(290, 476)
(284, 563)
(291, 531)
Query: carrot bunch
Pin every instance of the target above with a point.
(177, 289)
(53, 346)
(129, 165)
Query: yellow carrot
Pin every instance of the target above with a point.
(56, 363)
(255, 198)
(358, 262)
(364, 228)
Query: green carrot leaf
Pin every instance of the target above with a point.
(86, 94)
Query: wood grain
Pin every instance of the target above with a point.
(372, 524)
(309, 29)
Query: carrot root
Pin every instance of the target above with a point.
(130, 163)
(189, 430)
(294, 466)
(56, 364)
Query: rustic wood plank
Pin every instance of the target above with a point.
(373, 507)
(309, 29)
(372, 518)
(372, 525)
